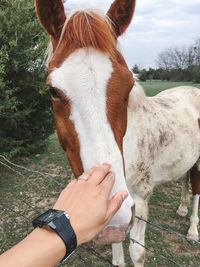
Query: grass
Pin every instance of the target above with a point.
(24, 197)
(154, 87)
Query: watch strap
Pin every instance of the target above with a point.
(63, 228)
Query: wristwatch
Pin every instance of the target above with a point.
(59, 221)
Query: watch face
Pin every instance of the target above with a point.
(49, 215)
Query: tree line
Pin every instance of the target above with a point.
(175, 64)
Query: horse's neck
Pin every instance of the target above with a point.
(138, 121)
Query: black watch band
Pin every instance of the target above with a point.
(59, 221)
(64, 229)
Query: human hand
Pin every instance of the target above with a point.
(87, 202)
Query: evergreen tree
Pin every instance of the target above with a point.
(136, 69)
(25, 109)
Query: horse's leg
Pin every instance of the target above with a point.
(137, 252)
(194, 219)
(185, 198)
(118, 254)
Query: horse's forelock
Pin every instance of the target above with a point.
(86, 28)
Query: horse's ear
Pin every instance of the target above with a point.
(51, 15)
(121, 13)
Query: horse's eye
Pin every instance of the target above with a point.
(53, 92)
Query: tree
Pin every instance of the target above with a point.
(181, 63)
(173, 58)
(143, 76)
(25, 110)
(136, 69)
(197, 61)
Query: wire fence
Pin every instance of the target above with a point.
(20, 213)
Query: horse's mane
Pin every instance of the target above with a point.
(136, 97)
(87, 28)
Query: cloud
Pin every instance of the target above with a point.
(76, 4)
(156, 25)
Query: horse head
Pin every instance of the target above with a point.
(90, 84)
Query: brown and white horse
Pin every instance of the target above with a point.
(102, 115)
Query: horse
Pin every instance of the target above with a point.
(102, 114)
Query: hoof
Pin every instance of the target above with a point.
(182, 211)
(193, 236)
(119, 264)
(138, 265)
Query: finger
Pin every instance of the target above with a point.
(107, 184)
(86, 175)
(99, 173)
(115, 204)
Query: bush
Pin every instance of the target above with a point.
(25, 111)
(196, 78)
(143, 76)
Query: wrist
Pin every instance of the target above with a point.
(51, 240)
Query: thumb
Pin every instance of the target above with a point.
(115, 203)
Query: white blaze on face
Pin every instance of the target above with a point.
(83, 77)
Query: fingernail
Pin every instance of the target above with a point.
(124, 195)
(106, 164)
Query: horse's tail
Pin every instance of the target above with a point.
(195, 179)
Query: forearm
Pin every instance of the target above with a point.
(42, 248)
(81, 199)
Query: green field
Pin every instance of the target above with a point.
(24, 195)
(154, 87)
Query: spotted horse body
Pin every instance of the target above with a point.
(101, 115)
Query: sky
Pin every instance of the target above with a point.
(156, 25)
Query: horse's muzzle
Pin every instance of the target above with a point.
(113, 234)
